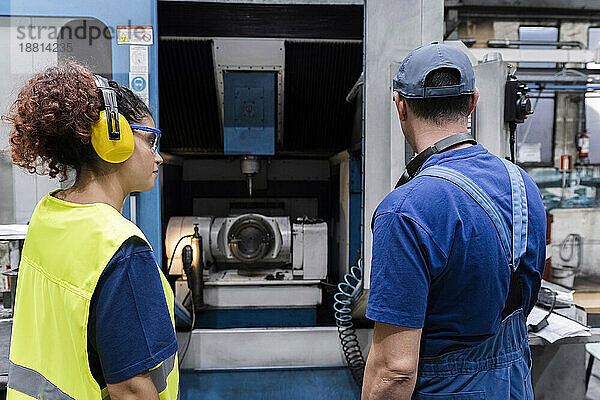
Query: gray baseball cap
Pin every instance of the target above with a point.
(410, 79)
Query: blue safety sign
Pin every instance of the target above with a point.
(138, 84)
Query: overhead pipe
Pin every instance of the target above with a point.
(503, 43)
(574, 88)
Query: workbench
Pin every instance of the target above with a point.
(559, 368)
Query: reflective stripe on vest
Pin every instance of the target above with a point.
(34, 384)
(515, 248)
(66, 250)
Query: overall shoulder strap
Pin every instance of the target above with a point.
(519, 212)
(481, 198)
(514, 249)
(520, 218)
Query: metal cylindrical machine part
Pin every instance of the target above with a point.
(250, 165)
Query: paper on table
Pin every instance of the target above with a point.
(559, 327)
(565, 296)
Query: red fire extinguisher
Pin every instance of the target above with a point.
(565, 163)
(583, 145)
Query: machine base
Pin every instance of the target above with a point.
(257, 293)
(256, 318)
(272, 384)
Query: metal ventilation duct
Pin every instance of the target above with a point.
(272, 19)
(318, 76)
(316, 119)
(189, 114)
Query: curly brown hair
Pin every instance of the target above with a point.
(52, 117)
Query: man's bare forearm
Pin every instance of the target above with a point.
(392, 364)
(398, 388)
(382, 384)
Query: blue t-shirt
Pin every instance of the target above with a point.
(129, 327)
(437, 260)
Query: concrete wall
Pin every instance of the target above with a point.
(566, 123)
(566, 115)
(585, 222)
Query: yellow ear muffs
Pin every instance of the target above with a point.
(112, 151)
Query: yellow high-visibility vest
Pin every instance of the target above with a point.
(66, 250)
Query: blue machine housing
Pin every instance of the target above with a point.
(249, 128)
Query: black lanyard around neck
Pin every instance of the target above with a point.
(417, 162)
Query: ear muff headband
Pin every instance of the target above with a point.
(112, 137)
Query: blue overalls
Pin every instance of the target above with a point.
(498, 368)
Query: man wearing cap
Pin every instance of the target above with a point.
(458, 251)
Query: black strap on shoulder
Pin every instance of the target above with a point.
(514, 300)
(416, 163)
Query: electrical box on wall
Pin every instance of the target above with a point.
(249, 113)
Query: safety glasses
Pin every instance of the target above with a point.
(155, 139)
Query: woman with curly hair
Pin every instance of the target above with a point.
(93, 314)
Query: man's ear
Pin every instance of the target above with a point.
(400, 106)
(474, 100)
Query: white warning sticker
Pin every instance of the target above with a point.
(138, 58)
(137, 35)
